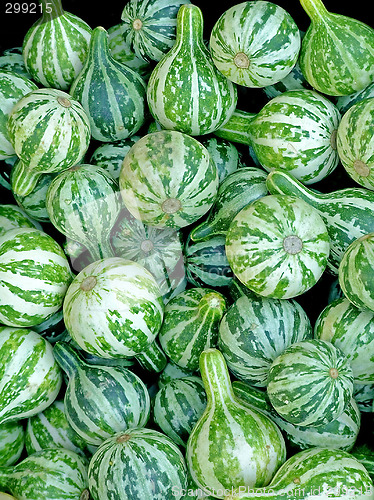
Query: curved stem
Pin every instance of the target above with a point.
(51, 9)
(215, 376)
(67, 358)
(315, 10)
(189, 23)
(236, 129)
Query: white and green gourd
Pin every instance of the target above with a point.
(11, 60)
(337, 54)
(355, 143)
(225, 155)
(53, 329)
(254, 331)
(149, 455)
(171, 372)
(364, 397)
(110, 155)
(236, 129)
(346, 212)
(12, 442)
(34, 277)
(56, 46)
(13, 217)
(255, 44)
(53, 474)
(343, 103)
(12, 88)
(294, 80)
(168, 179)
(296, 132)
(201, 101)
(356, 272)
(31, 378)
(50, 132)
(214, 460)
(190, 325)
(278, 246)
(352, 331)
(113, 308)
(112, 94)
(310, 383)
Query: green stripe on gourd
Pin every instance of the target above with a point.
(236, 129)
(356, 272)
(224, 154)
(34, 277)
(343, 103)
(178, 406)
(185, 91)
(110, 155)
(30, 377)
(191, 324)
(149, 27)
(12, 60)
(347, 212)
(278, 246)
(356, 144)
(50, 132)
(56, 474)
(310, 383)
(255, 43)
(317, 472)
(168, 179)
(296, 132)
(254, 331)
(138, 464)
(12, 442)
(55, 47)
(325, 60)
(352, 331)
(53, 329)
(113, 308)
(173, 371)
(294, 80)
(112, 94)
(12, 88)
(12, 217)
(365, 455)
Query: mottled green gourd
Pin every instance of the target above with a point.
(12, 217)
(55, 47)
(12, 442)
(12, 60)
(225, 155)
(110, 155)
(337, 52)
(202, 99)
(214, 459)
(111, 93)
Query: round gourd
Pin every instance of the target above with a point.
(12, 442)
(110, 155)
(12, 217)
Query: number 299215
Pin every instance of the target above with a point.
(27, 8)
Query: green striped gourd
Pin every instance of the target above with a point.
(110, 155)
(12, 217)
(214, 459)
(255, 43)
(236, 191)
(365, 455)
(310, 383)
(145, 454)
(352, 331)
(53, 328)
(356, 272)
(34, 277)
(254, 331)
(51, 429)
(91, 359)
(50, 132)
(355, 145)
(83, 203)
(346, 212)
(152, 358)
(12, 442)
(337, 54)
(51, 474)
(278, 246)
(177, 407)
(30, 377)
(296, 132)
(168, 179)
(236, 129)
(158, 250)
(206, 263)
(12, 88)
(343, 103)
(171, 372)
(201, 101)
(113, 308)
(101, 400)
(55, 47)
(149, 27)
(315, 473)
(224, 154)
(294, 80)
(12, 60)
(190, 325)
(111, 93)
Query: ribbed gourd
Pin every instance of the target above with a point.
(12, 442)
(111, 93)
(55, 47)
(203, 99)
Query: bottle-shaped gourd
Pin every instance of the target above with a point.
(56, 46)
(232, 444)
(185, 91)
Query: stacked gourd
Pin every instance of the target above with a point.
(163, 256)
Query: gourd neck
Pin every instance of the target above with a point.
(278, 182)
(24, 179)
(189, 24)
(152, 358)
(67, 358)
(315, 10)
(51, 9)
(216, 378)
(99, 44)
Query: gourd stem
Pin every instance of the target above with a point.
(216, 378)
(51, 9)
(99, 45)
(315, 9)
(202, 231)
(152, 358)
(189, 23)
(237, 128)
(24, 179)
(67, 358)
(279, 182)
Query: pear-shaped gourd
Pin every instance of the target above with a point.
(112, 94)
(55, 47)
(232, 444)
(185, 91)
(337, 52)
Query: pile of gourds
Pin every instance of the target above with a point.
(187, 287)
